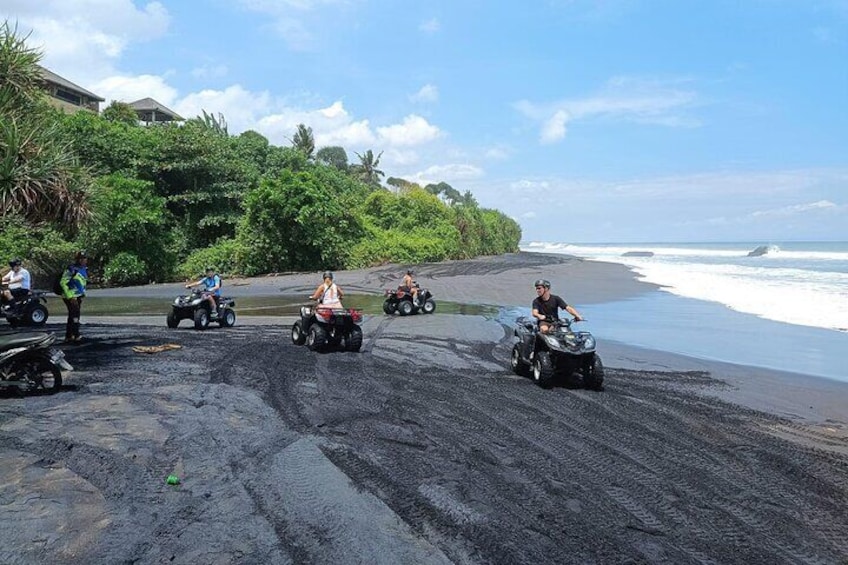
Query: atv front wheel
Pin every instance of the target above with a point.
(172, 320)
(429, 306)
(297, 335)
(353, 340)
(519, 367)
(405, 307)
(227, 319)
(316, 338)
(201, 319)
(37, 315)
(389, 307)
(543, 369)
(593, 374)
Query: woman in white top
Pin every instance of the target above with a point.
(328, 294)
(18, 280)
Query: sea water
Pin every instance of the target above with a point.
(776, 305)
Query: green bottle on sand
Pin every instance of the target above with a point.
(172, 480)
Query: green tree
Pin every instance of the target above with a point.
(120, 112)
(296, 222)
(304, 141)
(129, 218)
(367, 170)
(40, 178)
(333, 156)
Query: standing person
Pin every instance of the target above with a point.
(18, 280)
(73, 283)
(211, 284)
(408, 285)
(328, 294)
(546, 306)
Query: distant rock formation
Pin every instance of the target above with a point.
(763, 250)
(638, 254)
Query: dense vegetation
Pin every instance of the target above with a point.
(155, 203)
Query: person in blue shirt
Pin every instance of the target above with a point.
(73, 283)
(211, 284)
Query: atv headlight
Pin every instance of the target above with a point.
(589, 343)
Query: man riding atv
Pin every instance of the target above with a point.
(546, 306)
(211, 284)
(548, 347)
(17, 282)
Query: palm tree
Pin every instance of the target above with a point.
(304, 141)
(367, 169)
(40, 177)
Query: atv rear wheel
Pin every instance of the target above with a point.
(37, 315)
(429, 306)
(543, 369)
(519, 367)
(389, 307)
(316, 338)
(201, 319)
(172, 320)
(406, 307)
(593, 374)
(297, 335)
(353, 340)
(227, 319)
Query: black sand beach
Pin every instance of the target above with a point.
(422, 448)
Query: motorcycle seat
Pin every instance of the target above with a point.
(21, 340)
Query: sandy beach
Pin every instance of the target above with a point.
(422, 448)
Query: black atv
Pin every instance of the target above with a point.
(320, 328)
(401, 301)
(560, 353)
(195, 307)
(29, 310)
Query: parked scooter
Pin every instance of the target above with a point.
(29, 363)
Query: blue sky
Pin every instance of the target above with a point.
(586, 121)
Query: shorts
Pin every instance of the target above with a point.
(19, 292)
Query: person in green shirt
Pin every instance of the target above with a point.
(73, 283)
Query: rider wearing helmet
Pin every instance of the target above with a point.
(328, 294)
(18, 281)
(408, 285)
(211, 284)
(546, 306)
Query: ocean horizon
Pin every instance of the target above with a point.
(778, 305)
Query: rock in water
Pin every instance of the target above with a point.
(763, 250)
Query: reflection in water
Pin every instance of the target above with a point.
(263, 306)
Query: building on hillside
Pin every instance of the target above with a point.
(68, 96)
(152, 112)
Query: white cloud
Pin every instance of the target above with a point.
(447, 173)
(428, 93)
(210, 71)
(430, 26)
(298, 21)
(82, 40)
(132, 88)
(497, 153)
(414, 130)
(796, 209)
(654, 102)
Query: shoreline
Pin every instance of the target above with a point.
(499, 281)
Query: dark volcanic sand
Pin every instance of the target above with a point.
(422, 448)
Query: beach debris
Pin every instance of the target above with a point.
(172, 480)
(156, 348)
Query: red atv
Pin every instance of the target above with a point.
(319, 328)
(401, 301)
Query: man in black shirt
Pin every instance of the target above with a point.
(546, 306)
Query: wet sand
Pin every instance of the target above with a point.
(421, 448)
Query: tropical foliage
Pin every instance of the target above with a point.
(159, 202)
